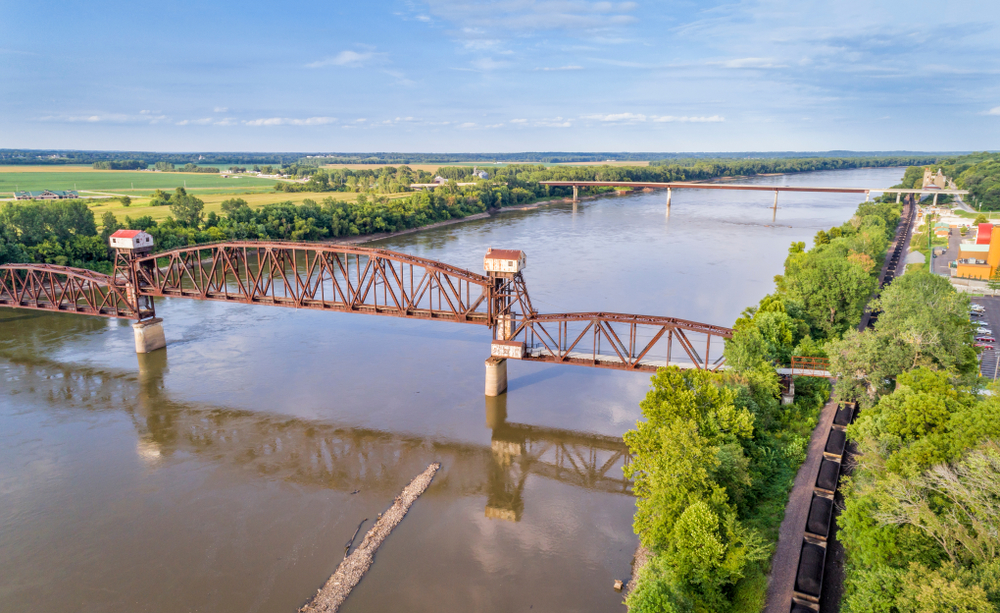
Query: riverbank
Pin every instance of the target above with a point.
(369, 238)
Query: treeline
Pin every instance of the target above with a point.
(59, 232)
(921, 527)
(143, 165)
(121, 165)
(65, 232)
(980, 174)
(60, 157)
(707, 169)
(716, 456)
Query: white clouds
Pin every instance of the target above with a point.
(618, 117)
(753, 62)
(671, 118)
(994, 111)
(350, 59)
(195, 122)
(220, 109)
(572, 67)
(630, 118)
(286, 121)
(503, 16)
(519, 121)
(150, 117)
(467, 125)
(487, 64)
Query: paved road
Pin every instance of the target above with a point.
(941, 262)
(988, 363)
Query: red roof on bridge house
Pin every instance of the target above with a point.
(984, 234)
(126, 233)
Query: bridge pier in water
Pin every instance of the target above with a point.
(496, 376)
(668, 200)
(149, 335)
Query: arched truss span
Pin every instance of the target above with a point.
(317, 276)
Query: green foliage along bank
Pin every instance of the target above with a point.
(66, 233)
(716, 454)
(921, 527)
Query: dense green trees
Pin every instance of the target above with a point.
(54, 231)
(715, 457)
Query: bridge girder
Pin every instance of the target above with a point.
(346, 278)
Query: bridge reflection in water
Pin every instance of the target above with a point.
(337, 457)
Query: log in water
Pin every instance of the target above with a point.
(353, 568)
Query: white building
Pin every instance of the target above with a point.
(131, 239)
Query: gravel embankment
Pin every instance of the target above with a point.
(353, 568)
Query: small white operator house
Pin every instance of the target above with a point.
(504, 260)
(131, 239)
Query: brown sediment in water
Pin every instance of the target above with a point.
(353, 568)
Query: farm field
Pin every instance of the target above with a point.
(213, 202)
(131, 182)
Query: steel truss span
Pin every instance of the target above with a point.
(374, 281)
(622, 341)
(47, 287)
(316, 276)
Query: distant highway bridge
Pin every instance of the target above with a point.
(351, 279)
(670, 186)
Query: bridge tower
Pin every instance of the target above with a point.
(130, 246)
(509, 300)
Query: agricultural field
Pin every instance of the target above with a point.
(91, 182)
(213, 202)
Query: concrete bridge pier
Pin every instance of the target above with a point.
(935, 199)
(496, 376)
(898, 194)
(668, 200)
(576, 194)
(868, 196)
(149, 335)
(775, 207)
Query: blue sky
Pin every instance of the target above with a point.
(495, 75)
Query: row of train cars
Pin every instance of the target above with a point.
(812, 557)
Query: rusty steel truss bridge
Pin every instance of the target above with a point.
(352, 279)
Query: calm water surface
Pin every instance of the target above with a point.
(228, 472)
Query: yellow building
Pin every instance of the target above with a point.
(978, 261)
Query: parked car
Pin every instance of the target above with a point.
(977, 308)
(984, 346)
(985, 339)
(983, 330)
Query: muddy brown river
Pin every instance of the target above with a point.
(226, 473)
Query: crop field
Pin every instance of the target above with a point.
(131, 182)
(213, 202)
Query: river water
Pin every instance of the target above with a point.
(228, 472)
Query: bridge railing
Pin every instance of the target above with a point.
(810, 366)
(64, 289)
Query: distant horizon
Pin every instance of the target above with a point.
(651, 155)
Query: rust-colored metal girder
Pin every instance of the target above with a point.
(319, 276)
(355, 279)
(64, 289)
(618, 340)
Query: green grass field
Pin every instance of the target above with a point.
(131, 182)
(213, 202)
